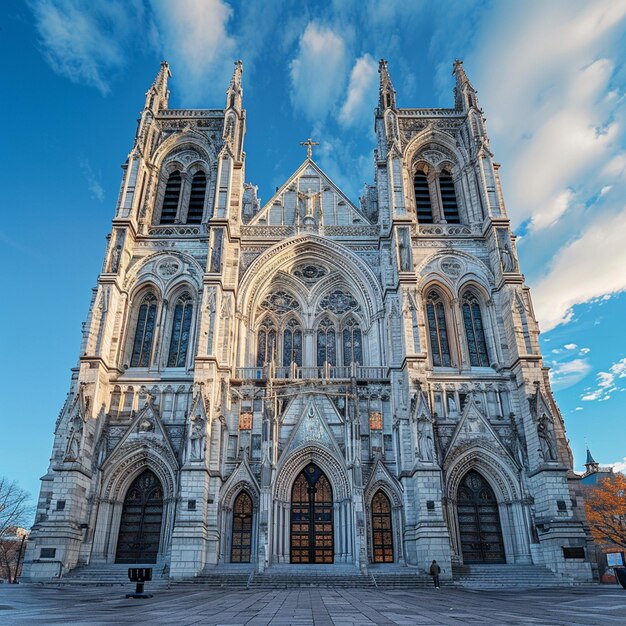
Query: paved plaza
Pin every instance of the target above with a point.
(307, 607)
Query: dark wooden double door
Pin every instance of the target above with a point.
(479, 521)
(140, 525)
(311, 517)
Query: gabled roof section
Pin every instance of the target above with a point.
(309, 196)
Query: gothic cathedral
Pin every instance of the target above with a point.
(312, 380)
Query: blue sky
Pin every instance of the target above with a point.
(550, 79)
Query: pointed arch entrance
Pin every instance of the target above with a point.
(241, 542)
(140, 525)
(479, 521)
(382, 531)
(312, 538)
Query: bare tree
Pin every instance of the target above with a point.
(14, 513)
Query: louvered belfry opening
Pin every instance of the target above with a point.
(448, 198)
(196, 199)
(422, 199)
(170, 199)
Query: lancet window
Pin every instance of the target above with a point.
(326, 343)
(437, 330)
(196, 198)
(171, 197)
(266, 343)
(475, 331)
(352, 343)
(181, 331)
(144, 332)
(292, 343)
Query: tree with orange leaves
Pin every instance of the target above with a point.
(605, 505)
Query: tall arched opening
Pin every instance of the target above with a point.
(140, 525)
(479, 521)
(312, 538)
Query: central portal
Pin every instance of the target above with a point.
(311, 517)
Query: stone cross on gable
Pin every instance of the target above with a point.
(309, 143)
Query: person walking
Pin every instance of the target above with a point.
(435, 570)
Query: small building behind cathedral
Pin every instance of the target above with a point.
(312, 380)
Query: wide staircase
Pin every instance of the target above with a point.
(229, 576)
(110, 574)
(507, 576)
(395, 577)
(303, 576)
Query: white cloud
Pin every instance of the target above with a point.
(85, 42)
(619, 466)
(570, 346)
(606, 383)
(572, 279)
(93, 180)
(318, 72)
(193, 36)
(584, 351)
(362, 89)
(567, 374)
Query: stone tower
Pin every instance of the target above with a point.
(308, 380)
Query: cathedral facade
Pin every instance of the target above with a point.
(312, 380)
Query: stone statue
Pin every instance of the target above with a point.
(197, 439)
(425, 445)
(546, 439)
(116, 253)
(75, 438)
(309, 203)
(506, 257)
(403, 247)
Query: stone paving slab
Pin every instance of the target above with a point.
(97, 606)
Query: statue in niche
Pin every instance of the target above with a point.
(75, 438)
(425, 444)
(506, 256)
(309, 203)
(116, 253)
(197, 439)
(546, 438)
(404, 250)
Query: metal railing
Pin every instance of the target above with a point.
(324, 372)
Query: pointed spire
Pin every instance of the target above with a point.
(234, 94)
(591, 464)
(464, 92)
(387, 94)
(158, 94)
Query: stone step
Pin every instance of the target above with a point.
(500, 576)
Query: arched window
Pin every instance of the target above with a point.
(437, 330)
(144, 332)
(241, 540)
(266, 343)
(382, 535)
(474, 331)
(326, 343)
(449, 204)
(181, 329)
(352, 343)
(292, 344)
(196, 199)
(170, 198)
(423, 203)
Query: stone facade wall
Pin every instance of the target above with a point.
(228, 420)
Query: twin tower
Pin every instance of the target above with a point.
(312, 380)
